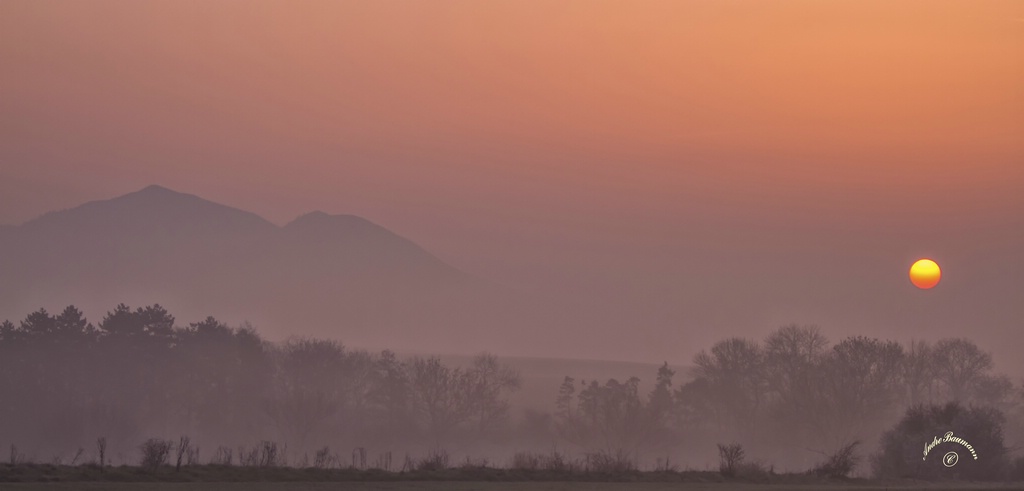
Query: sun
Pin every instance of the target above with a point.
(925, 274)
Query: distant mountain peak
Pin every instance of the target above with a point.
(315, 214)
(157, 192)
(156, 188)
(153, 205)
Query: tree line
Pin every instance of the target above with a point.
(137, 374)
(794, 396)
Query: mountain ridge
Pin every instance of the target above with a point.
(157, 245)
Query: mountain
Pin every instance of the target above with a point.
(338, 276)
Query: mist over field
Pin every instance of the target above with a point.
(358, 367)
(547, 238)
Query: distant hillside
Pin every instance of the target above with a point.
(337, 276)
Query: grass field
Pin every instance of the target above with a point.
(488, 486)
(212, 477)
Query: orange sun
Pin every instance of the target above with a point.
(925, 274)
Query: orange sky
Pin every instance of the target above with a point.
(534, 141)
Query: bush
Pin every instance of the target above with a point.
(730, 457)
(223, 456)
(323, 458)
(263, 454)
(16, 456)
(608, 463)
(553, 462)
(473, 464)
(436, 460)
(841, 463)
(901, 454)
(559, 462)
(155, 452)
(526, 461)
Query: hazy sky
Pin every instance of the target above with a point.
(705, 163)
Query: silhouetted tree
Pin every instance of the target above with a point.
(439, 395)
(613, 414)
(919, 373)
(696, 410)
(7, 330)
(660, 402)
(306, 390)
(902, 448)
(149, 328)
(218, 367)
(612, 418)
(489, 382)
(735, 372)
(959, 363)
(860, 387)
(793, 357)
(390, 398)
(72, 327)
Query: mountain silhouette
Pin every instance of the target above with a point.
(338, 276)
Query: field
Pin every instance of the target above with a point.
(202, 478)
(486, 486)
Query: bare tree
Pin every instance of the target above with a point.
(489, 381)
(101, 451)
(735, 371)
(919, 372)
(730, 458)
(184, 448)
(390, 397)
(859, 389)
(958, 364)
(440, 396)
(792, 357)
(306, 390)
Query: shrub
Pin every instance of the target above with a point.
(558, 462)
(223, 456)
(606, 462)
(155, 452)
(730, 457)
(16, 456)
(841, 463)
(263, 454)
(901, 447)
(359, 458)
(478, 463)
(270, 455)
(184, 448)
(526, 461)
(436, 460)
(101, 451)
(323, 458)
(383, 461)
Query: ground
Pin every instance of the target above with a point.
(484, 486)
